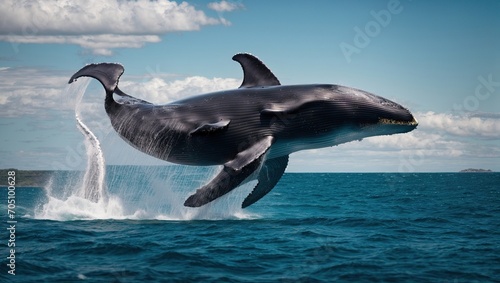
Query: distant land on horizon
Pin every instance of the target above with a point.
(474, 170)
(26, 178)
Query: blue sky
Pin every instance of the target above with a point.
(441, 59)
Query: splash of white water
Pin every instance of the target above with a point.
(87, 198)
(94, 187)
(151, 196)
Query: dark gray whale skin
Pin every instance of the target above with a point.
(250, 130)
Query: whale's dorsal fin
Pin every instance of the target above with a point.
(233, 174)
(255, 73)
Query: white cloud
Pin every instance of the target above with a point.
(421, 143)
(224, 6)
(98, 25)
(413, 140)
(98, 44)
(467, 126)
(26, 91)
(159, 91)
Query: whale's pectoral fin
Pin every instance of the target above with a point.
(211, 128)
(232, 175)
(255, 73)
(269, 175)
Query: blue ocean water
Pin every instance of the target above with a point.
(345, 227)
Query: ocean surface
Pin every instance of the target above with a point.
(343, 227)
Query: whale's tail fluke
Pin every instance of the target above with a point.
(107, 74)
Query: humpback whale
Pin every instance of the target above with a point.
(251, 130)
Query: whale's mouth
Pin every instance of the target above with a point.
(386, 121)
